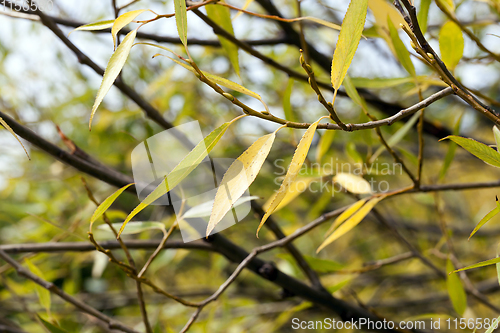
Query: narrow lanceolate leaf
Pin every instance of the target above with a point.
(480, 264)
(345, 215)
(222, 16)
(43, 294)
(450, 154)
(456, 290)
(493, 326)
(485, 219)
(181, 20)
(114, 67)
(353, 94)
(287, 103)
(123, 20)
(182, 170)
(350, 34)
(451, 44)
(103, 207)
(353, 221)
(480, 150)
(240, 175)
(423, 14)
(496, 134)
(299, 186)
(398, 136)
(324, 144)
(353, 183)
(498, 264)
(225, 83)
(400, 49)
(101, 25)
(7, 127)
(293, 170)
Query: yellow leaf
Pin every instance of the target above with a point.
(123, 20)
(299, 186)
(353, 221)
(239, 177)
(451, 44)
(346, 214)
(7, 127)
(449, 5)
(293, 170)
(381, 9)
(101, 25)
(350, 34)
(352, 183)
(114, 67)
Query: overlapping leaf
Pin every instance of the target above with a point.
(123, 20)
(346, 214)
(101, 25)
(240, 175)
(293, 170)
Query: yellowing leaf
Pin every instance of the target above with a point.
(352, 183)
(350, 34)
(181, 20)
(43, 294)
(449, 5)
(224, 82)
(123, 20)
(480, 264)
(382, 9)
(222, 16)
(181, 170)
(451, 44)
(134, 227)
(496, 134)
(400, 49)
(240, 175)
(346, 214)
(103, 207)
(353, 221)
(245, 6)
(485, 219)
(114, 67)
(101, 25)
(299, 186)
(480, 150)
(7, 127)
(381, 83)
(293, 170)
(456, 290)
(324, 144)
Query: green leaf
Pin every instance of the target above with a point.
(182, 170)
(479, 264)
(222, 16)
(181, 20)
(353, 94)
(401, 51)
(383, 83)
(7, 127)
(101, 25)
(456, 290)
(123, 20)
(352, 222)
(287, 104)
(43, 294)
(350, 34)
(451, 44)
(352, 152)
(480, 150)
(238, 178)
(450, 154)
(103, 207)
(485, 219)
(423, 14)
(114, 67)
(494, 325)
(134, 227)
(398, 136)
(293, 170)
(52, 328)
(224, 82)
(498, 264)
(324, 145)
